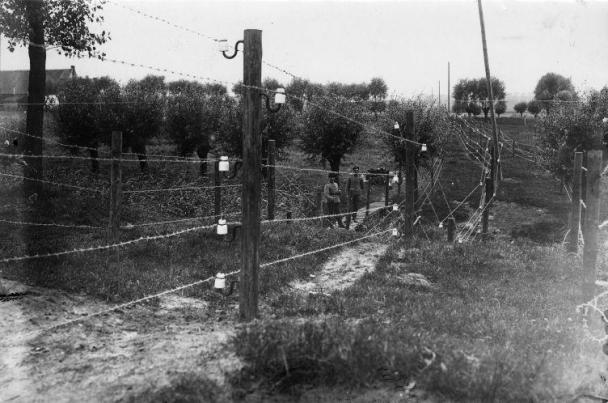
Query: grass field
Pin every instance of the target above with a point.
(496, 323)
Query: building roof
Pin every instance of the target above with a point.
(15, 82)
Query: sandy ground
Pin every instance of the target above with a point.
(112, 357)
(123, 354)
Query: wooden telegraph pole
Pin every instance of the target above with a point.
(410, 172)
(575, 212)
(217, 189)
(115, 190)
(252, 161)
(449, 101)
(271, 178)
(495, 140)
(592, 218)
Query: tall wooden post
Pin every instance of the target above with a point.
(449, 100)
(386, 188)
(485, 216)
(592, 218)
(217, 183)
(513, 147)
(115, 189)
(495, 136)
(410, 173)
(575, 211)
(451, 229)
(399, 175)
(271, 178)
(252, 147)
(367, 191)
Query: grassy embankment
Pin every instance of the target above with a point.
(149, 267)
(498, 322)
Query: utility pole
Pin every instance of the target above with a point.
(592, 218)
(449, 101)
(439, 97)
(252, 161)
(575, 209)
(495, 139)
(410, 172)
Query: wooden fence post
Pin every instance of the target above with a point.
(271, 178)
(217, 183)
(115, 190)
(485, 216)
(451, 229)
(252, 187)
(513, 147)
(386, 186)
(575, 209)
(368, 189)
(410, 173)
(592, 218)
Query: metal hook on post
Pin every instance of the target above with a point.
(279, 99)
(233, 232)
(224, 167)
(224, 48)
(219, 285)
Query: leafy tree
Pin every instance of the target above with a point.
(329, 135)
(475, 91)
(431, 124)
(521, 108)
(280, 126)
(473, 108)
(498, 92)
(377, 90)
(300, 91)
(549, 86)
(144, 102)
(572, 126)
(193, 117)
(500, 107)
(534, 107)
(36, 24)
(88, 110)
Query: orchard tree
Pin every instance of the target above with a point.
(330, 129)
(498, 93)
(521, 108)
(377, 90)
(534, 107)
(500, 107)
(193, 117)
(144, 102)
(280, 126)
(299, 91)
(431, 124)
(549, 86)
(36, 24)
(88, 110)
(569, 127)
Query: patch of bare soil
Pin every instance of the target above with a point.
(342, 270)
(113, 357)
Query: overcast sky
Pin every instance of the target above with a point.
(407, 43)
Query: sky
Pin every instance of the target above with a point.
(407, 43)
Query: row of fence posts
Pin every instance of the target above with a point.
(585, 213)
(116, 187)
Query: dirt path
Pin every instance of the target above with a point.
(134, 352)
(342, 270)
(114, 357)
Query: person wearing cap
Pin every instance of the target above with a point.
(354, 188)
(331, 196)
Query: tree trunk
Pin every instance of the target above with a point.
(36, 90)
(202, 151)
(94, 161)
(334, 162)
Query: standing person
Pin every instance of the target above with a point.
(331, 196)
(354, 188)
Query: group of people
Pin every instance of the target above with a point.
(332, 193)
